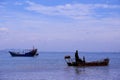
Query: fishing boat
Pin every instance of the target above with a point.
(71, 62)
(31, 53)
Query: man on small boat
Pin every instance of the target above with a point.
(84, 59)
(77, 59)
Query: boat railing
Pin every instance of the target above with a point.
(68, 59)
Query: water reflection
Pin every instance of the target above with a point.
(79, 70)
(89, 73)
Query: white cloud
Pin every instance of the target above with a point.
(3, 29)
(18, 3)
(105, 6)
(48, 30)
(3, 34)
(66, 10)
(75, 11)
(1, 6)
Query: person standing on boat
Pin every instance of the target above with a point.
(83, 59)
(77, 59)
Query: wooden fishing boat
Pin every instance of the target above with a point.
(31, 53)
(70, 62)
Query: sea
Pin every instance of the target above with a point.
(52, 66)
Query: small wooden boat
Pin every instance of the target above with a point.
(70, 62)
(31, 53)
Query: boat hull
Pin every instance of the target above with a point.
(28, 54)
(89, 64)
(104, 62)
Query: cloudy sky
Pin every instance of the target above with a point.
(60, 25)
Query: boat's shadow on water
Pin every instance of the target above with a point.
(88, 73)
(79, 70)
(75, 70)
(88, 70)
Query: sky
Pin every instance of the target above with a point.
(60, 25)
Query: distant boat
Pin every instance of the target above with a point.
(70, 62)
(31, 53)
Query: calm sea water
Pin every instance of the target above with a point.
(52, 66)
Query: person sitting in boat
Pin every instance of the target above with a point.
(83, 59)
(77, 59)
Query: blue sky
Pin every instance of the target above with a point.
(60, 25)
